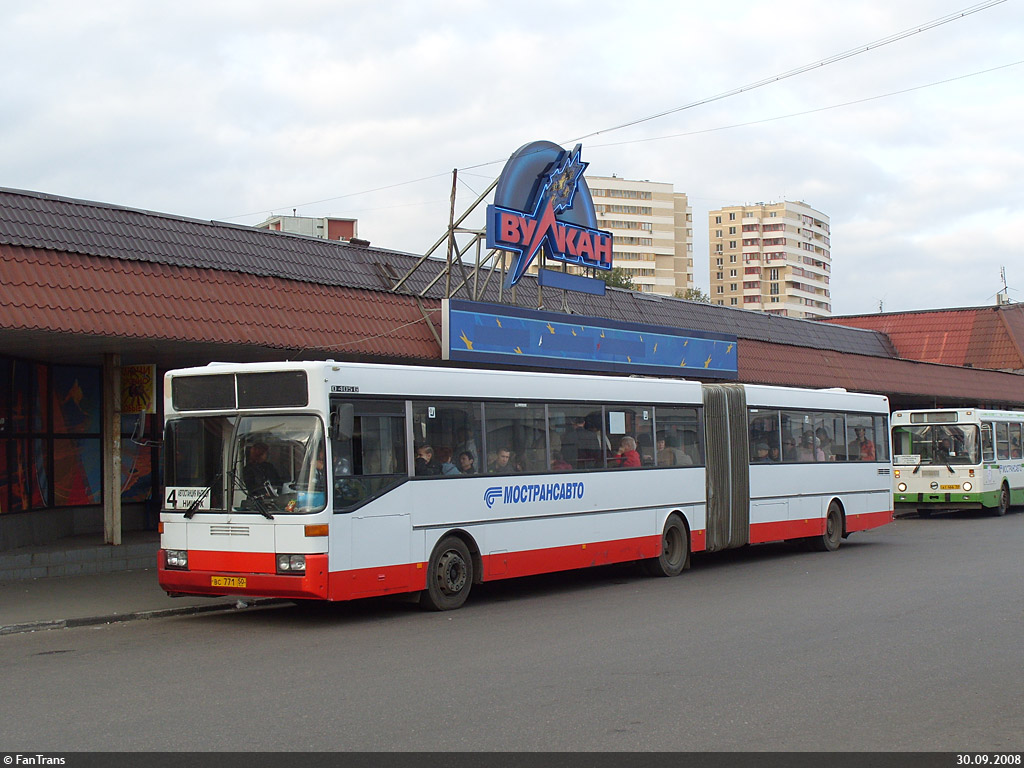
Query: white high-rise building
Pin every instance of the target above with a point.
(773, 257)
(652, 230)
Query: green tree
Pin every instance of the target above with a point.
(617, 277)
(693, 294)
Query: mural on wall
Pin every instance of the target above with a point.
(77, 463)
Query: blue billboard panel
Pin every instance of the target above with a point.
(481, 333)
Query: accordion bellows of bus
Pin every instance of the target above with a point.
(337, 481)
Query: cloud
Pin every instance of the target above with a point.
(215, 110)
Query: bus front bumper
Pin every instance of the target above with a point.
(311, 585)
(952, 500)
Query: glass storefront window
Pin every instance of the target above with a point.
(77, 471)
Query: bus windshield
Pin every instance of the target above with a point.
(272, 464)
(936, 444)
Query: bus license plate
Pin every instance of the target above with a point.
(228, 581)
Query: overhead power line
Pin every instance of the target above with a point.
(801, 70)
(735, 91)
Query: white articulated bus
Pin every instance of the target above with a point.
(957, 458)
(338, 481)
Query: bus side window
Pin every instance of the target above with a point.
(1015, 439)
(1002, 441)
(372, 459)
(678, 428)
(988, 452)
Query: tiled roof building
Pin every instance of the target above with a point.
(975, 337)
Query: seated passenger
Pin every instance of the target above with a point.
(467, 464)
(558, 464)
(426, 466)
(669, 456)
(626, 456)
(825, 442)
(502, 464)
(760, 453)
(444, 457)
(860, 448)
(809, 448)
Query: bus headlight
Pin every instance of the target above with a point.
(291, 564)
(967, 485)
(902, 487)
(176, 558)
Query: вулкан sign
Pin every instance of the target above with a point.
(542, 200)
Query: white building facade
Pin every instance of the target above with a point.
(652, 231)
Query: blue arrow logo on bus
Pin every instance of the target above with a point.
(492, 493)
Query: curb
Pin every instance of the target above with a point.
(119, 618)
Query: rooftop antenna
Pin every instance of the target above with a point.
(1003, 297)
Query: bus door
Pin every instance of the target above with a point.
(369, 464)
(727, 468)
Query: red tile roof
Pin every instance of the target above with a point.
(764, 363)
(981, 337)
(49, 291)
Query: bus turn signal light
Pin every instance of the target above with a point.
(316, 530)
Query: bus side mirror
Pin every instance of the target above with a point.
(342, 418)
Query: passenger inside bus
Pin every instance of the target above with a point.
(444, 458)
(670, 456)
(426, 466)
(467, 463)
(502, 464)
(861, 448)
(627, 455)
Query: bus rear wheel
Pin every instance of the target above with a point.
(449, 576)
(675, 551)
(1004, 501)
(829, 541)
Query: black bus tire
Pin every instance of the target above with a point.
(829, 541)
(449, 576)
(675, 550)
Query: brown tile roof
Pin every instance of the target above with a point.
(981, 337)
(762, 363)
(74, 293)
(86, 228)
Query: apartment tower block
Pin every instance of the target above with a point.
(772, 257)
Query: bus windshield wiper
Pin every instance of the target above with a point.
(257, 501)
(194, 506)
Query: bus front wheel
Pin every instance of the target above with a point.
(675, 551)
(833, 535)
(449, 576)
(1004, 501)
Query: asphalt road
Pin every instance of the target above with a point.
(908, 638)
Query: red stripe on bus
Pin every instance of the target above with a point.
(868, 520)
(375, 582)
(510, 565)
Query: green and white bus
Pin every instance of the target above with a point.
(957, 458)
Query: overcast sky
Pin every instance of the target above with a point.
(236, 110)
